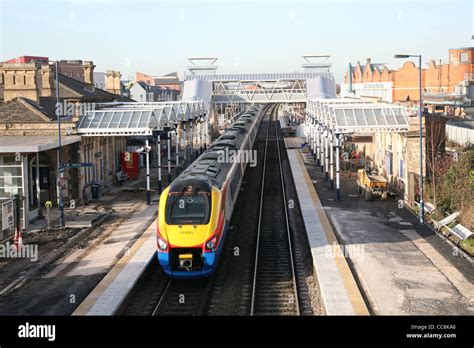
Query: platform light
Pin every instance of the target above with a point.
(420, 86)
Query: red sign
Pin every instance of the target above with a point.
(129, 162)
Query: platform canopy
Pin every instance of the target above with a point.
(348, 115)
(115, 119)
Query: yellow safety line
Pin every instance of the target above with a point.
(348, 280)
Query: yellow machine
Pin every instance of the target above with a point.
(370, 184)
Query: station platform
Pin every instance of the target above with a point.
(109, 294)
(339, 291)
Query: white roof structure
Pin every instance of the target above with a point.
(32, 143)
(358, 116)
(114, 119)
(259, 77)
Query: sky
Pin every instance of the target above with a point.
(157, 37)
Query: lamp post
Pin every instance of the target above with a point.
(420, 107)
(60, 171)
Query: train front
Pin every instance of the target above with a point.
(190, 229)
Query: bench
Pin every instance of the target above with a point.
(446, 221)
(460, 231)
(428, 207)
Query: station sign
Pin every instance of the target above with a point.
(7, 214)
(75, 165)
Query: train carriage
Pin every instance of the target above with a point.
(195, 210)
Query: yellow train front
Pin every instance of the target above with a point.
(191, 229)
(195, 210)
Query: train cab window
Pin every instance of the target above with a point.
(188, 208)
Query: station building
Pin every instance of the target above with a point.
(29, 136)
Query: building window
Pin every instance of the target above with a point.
(464, 56)
(14, 79)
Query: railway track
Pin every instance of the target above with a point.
(274, 288)
(270, 274)
(184, 297)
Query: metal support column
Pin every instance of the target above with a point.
(38, 190)
(206, 133)
(331, 160)
(147, 157)
(318, 147)
(326, 155)
(200, 135)
(177, 145)
(183, 133)
(160, 182)
(191, 131)
(168, 145)
(338, 193)
(321, 137)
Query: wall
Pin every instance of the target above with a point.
(105, 165)
(460, 135)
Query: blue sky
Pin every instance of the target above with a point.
(156, 37)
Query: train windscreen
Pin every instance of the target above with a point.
(188, 208)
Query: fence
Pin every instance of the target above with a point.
(460, 135)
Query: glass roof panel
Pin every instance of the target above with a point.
(340, 117)
(96, 120)
(145, 119)
(369, 114)
(114, 122)
(390, 118)
(135, 119)
(125, 119)
(105, 120)
(360, 117)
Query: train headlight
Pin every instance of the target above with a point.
(162, 245)
(211, 243)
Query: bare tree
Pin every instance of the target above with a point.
(435, 148)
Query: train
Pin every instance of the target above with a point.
(194, 211)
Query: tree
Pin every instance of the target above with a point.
(435, 149)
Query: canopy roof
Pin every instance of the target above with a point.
(356, 116)
(32, 143)
(138, 118)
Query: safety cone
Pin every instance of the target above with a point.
(18, 241)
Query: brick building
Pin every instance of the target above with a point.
(443, 83)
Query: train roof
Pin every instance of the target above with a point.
(210, 166)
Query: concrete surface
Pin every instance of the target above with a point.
(403, 266)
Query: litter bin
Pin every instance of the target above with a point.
(95, 188)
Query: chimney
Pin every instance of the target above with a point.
(112, 81)
(21, 80)
(48, 88)
(88, 67)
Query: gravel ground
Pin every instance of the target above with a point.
(231, 293)
(60, 295)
